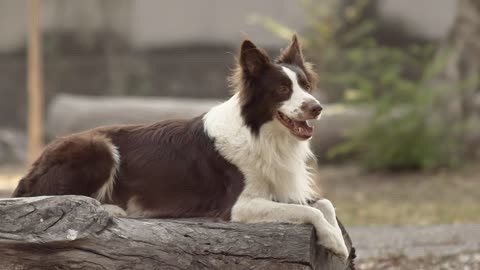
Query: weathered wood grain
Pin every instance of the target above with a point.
(74, 232)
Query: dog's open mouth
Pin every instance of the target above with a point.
(300, 129)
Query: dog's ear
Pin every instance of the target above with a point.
(292, 54)
(252, 60)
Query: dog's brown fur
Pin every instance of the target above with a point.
(169, 169)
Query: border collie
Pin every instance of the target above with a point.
(245, 160)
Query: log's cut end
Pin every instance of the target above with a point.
(75, 232)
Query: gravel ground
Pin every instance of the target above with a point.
(415, 241)
(467, 261)
(417, 247)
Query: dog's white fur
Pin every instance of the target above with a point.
(278, 183)
(105, 192)
(291, 108)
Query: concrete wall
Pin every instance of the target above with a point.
(162, 23)
(12, 24)
(167, 25)
(207, 21)
(428, 19)
(153, 23)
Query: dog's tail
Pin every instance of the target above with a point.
(21, 190)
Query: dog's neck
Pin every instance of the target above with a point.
(273, 161)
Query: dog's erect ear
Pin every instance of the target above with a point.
(292, 54)
(252, 60)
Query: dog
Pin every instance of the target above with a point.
(245, 160)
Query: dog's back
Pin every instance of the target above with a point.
(167, 169)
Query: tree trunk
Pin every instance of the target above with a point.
(74, 232)
(459, 54)
(35, 83)
(462, 48)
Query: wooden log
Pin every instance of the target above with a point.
(68, 114)
(74, 232)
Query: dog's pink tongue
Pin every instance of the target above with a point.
(302, 128)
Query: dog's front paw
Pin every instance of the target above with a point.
(336, 244)
(327, 209)
(114, 210)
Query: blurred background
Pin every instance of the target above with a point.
(399, 140)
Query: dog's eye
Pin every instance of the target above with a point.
(283, 89)
(305, 85)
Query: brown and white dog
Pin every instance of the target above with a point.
(245, 160)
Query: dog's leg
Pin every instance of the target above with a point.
(114, 210)
(256, 210)
(328, 211)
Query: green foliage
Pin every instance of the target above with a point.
(409, 126)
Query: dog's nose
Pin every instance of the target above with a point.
(312, 108)
(316, 109)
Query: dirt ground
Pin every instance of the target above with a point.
(443, 197)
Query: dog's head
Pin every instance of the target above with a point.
(277, 90)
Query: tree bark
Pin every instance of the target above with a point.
(462, 48)
(74, 232)
(459, 60)
(35, 83)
